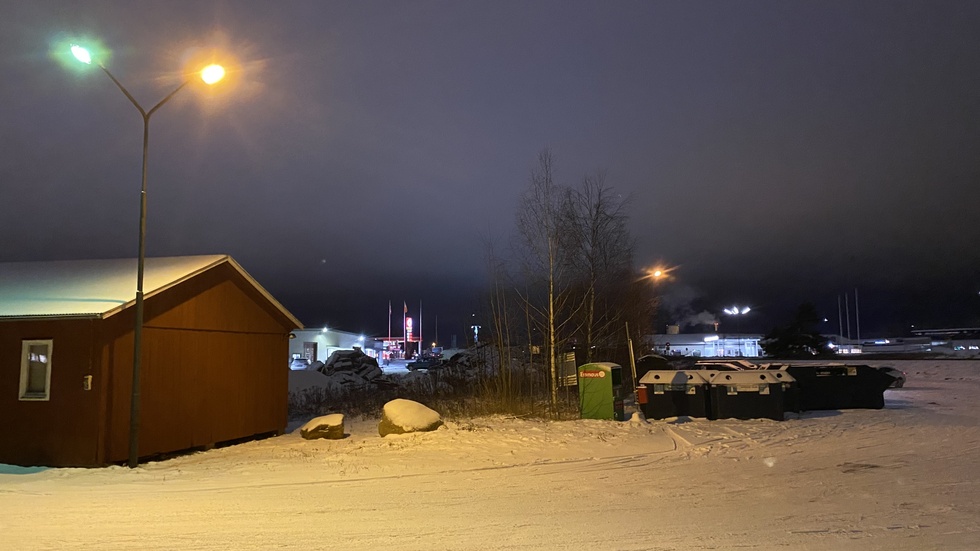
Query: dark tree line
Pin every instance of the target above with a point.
(800, 338)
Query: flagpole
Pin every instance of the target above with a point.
(420, 325)
(404, 330)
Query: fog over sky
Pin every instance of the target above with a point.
(775, 152)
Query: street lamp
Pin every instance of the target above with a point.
(655, 275)
(210, 75)
(737, 313)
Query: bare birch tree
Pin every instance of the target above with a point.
(575, 259)
(543, 246)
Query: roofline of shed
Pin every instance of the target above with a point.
(223, 259)
(50, 316)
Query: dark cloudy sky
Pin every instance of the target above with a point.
(362, 151)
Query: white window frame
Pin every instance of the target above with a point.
(25, 348)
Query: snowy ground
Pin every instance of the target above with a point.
(905, 477)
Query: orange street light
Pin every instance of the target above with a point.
(212, 74)
(658, 273)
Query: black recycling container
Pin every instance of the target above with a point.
(748, 395)
(839, 386)
(665, 394)
(650, 362)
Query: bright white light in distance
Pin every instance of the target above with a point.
(81, 54)
(711, 338)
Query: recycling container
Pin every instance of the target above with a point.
(839, 386)
(600, 391)
(748, 395)
(663, 394)
(650, 362)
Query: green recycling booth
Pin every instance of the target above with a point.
(600, 391)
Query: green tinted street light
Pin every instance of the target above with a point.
(210, 75)
(81, 54)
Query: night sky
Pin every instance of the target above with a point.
(774, 152)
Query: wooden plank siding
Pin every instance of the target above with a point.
(214, 367)
(64, 430)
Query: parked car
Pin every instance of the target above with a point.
(898, 374)
(424, 363)
(298, 364)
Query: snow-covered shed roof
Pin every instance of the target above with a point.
(99, 288)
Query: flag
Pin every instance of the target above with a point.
(406, 307)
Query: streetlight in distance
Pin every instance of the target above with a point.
(737, 313)
(656, 275)
(210, 75)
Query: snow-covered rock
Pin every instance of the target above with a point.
(401, 416)
(330, 427)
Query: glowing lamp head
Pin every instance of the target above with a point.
(212, 74)
(81, 54)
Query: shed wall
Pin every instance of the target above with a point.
(64, 430)
(214, 367)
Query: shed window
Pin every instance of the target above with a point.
(35, 370)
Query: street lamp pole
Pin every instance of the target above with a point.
(211, 75)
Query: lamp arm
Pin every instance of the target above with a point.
(146, 114)
(166, 99)
(124, 91)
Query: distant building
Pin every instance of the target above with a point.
(706, 345)
(318, 344)
(957, 342)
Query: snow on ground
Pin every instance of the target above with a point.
(904, 478)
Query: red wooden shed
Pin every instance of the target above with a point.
(214, 358)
